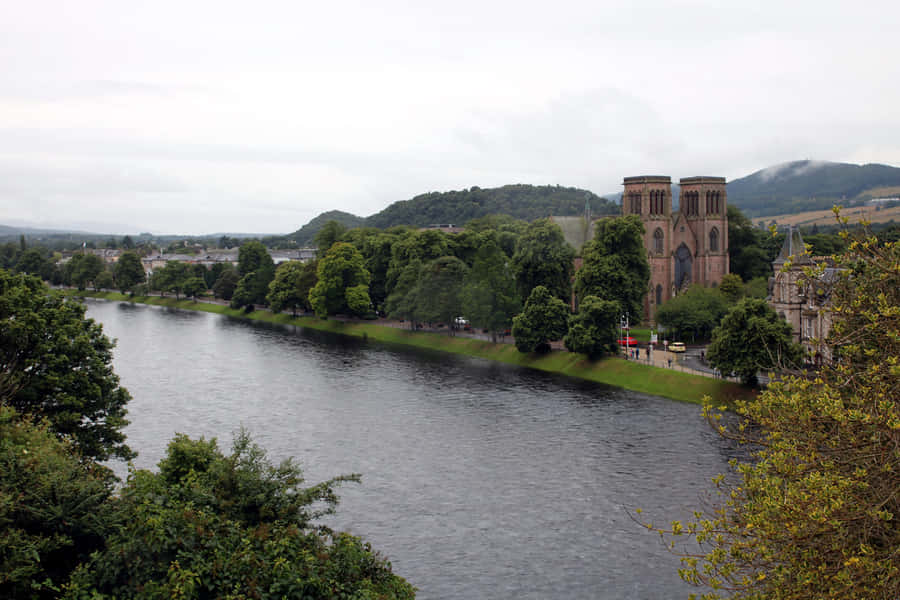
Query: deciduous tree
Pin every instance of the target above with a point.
(594, 330)
(341, 270)
(489, 297)
(615, 264)
(815, 511)
(750, 339)
(129, 272)
(542, 321)
(543, 257)
(57, 364)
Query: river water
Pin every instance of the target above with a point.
(479, 480)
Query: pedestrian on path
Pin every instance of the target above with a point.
(670, 362)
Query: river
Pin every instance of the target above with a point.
(480, 480)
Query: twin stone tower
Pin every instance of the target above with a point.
(686, 246)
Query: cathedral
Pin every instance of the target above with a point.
(686, 246)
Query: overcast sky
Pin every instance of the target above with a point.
(201, 117)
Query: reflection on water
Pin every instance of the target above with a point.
(479, 480)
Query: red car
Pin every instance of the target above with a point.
(629, 341)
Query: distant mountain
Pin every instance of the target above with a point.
(304, 236)
(804, 185)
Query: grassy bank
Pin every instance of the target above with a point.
(634, 376)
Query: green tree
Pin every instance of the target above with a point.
(104, 281)
(256, 268)
(32, 261)
(423, 246)
(194, 286)
(171, 277)
(83, 268)
(439, 289)
(325, 238)
(129, 271)
(401, 303)
(52, 508)
(127, 242)
(543, 257)
(594, 330)
(210, 525)
(542, 321)
(55, 363)
(615, 264)
(732, 287)
(226, 283)
(291, 286)
(814, 512)
(694, 313)
(489, 297)
(339, 272)
(750, 339)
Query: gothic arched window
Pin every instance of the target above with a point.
(658, 241)
(714, 240)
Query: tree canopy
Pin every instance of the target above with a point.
(594, 330)
(543, 320)
(615, 264)
(57, 364)
(543, 257)
(343, 284)
(752, 338)
(815, 510)
(129, 272)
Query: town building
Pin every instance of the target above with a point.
(801, 295)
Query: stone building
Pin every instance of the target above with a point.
(801, 300)
(686, 246)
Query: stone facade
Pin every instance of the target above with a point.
(800, 300)
(685, 246)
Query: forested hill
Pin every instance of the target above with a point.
(810, 185)
(521, 201)
(305, 235)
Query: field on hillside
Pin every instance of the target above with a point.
(826, 217)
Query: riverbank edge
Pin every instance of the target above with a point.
(634, 376)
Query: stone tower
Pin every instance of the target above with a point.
(683, 247)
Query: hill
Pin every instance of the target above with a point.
(807, 185)
(305, 235)
(520, 201)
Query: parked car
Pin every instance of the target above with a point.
(629, 341)
(676, 347)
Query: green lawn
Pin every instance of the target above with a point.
(630, 375)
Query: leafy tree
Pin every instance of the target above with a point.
(402, 302)
(542, 320)
(127, 242)
(815, 511)
(438, 291)
(83, 268)
(256, 268)
(423, 246)
(194, 286)
(615, 264)
(732, 287)
(129, 271)
(57, 364)
(747, 256)
(226, 283)
(171, 278)
(231, 526)
(750, 339)
(339, 272)
(325, 238)
(291, 286)
(375, 246)
(104, 281)
(543, 257)
(52, 513)
(693, 314)
(594, 330)
(31, 261)
(489, 297)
